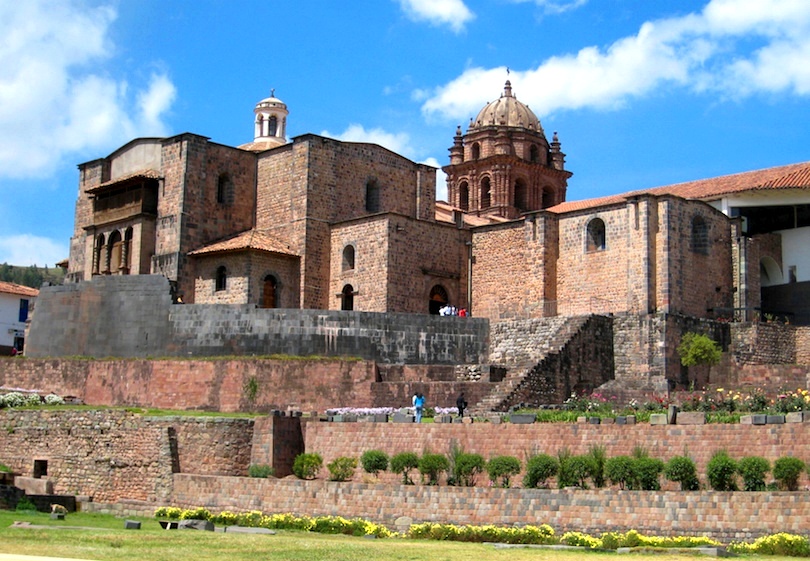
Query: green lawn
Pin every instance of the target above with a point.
(107, 540)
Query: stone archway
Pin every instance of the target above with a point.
(438, 299)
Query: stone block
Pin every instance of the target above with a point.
(402, 418)
(658, 419)
(775, 420)
(206, 525)
(594, 421)
(798, 417)
(132, 525)
(380, 417)
(630, 420)
(522, 418)
(34, 486)
(691, 418)
(495, 419)
(759, 419)
(672, 415)
(582, 419)
(747, 420)
(467, 420)
(608, 421)
(168, 524)
(57, 516)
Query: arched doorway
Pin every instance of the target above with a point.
(438, 299)
(347, 297)
(115, 247)
(270, 292)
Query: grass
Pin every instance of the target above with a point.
(107, 540)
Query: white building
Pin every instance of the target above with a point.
(16, 302)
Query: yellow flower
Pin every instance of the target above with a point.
(720, 390)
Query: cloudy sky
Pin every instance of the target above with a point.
(641, 92)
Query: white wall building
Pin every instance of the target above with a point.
(16, 304)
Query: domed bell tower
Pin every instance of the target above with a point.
(504, 165)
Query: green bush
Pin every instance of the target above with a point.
(786, 470)
(307, 465)
(431, 467)
(539, 469)
(25, 505)
(786, 545)
(342, 468)
(598, 456)
(721, 471)
(681, 469)
(501, 469)
(696, 349)
(753, 470)
(403, 463)
(199, 513)
(647, 473)
(4, 468)
(619, 470)
(260, 470)
(574, 471)
(467, 467)
(374, 461)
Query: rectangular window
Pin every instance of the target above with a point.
(23, 309)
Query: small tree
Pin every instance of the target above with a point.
(786, 470)
(431, 467)
(403, 463)
(307, 465)
(721, 472)
(619, 470)
(501, 469)
(647, 473)
(467, 466)
(598, 456)
(698, 349)
(374, 461)
(753, 470)
(574, 471)
(342, 468)
(681, 469)
(539, 469)
(260, 470)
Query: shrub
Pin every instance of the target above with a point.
(307, 465)
(501, 469)
(170, 512)
(403, 463)
(374, 461)
(647, 472)
(721, 472)
(12, 399)
(578, 539)
(574, 471)
(225, 518)
(681, 469)
(539, 469)
(342, 468)
(4, 468)
(753, 470)
(199, 513)
(787, 545)
(467, 466)
(260, 470)
(53, 399)
(25, 505)
(619, 470)
(696, 349)
(431, 467)
(598, 457)
(786, 471)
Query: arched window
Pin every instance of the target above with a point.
(348, 258)
(272, 125)
(521, 195)
(347, 298)
(222, 279)
(224, 189)
(595, 237)
(476, 151)
(115, 249)
(270, 292)
(372, 196)
(700, 235)
(534, 154)
(548, 198)
(486, 201)
(98, 254)
(464, 196)
(438, 299)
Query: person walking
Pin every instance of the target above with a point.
(418, 406)
(461, 403)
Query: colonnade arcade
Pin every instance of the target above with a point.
(112, 252)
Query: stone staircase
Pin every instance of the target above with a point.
(512, 389)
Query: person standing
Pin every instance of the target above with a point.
(418, 406)
(461, 403)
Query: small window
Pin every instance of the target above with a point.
(700, 235)
(464, 196)
(23, 309)
(486, 200)
(372, 196)
(272, 126)
(270, 292)
(40, 468)
(224, 189)
(521, 195)
(534, 154)
(595, 235)
(348, 258)
(476, 151)
(222, 279)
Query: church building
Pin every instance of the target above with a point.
(318, 223)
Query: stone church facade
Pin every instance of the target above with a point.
(317, 223)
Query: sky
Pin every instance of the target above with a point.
(642, 93)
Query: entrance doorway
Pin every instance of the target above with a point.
(438, 299)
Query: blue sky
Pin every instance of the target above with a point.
(642, 92)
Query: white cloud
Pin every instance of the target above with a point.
(26, 249)
(554, 7)
(57, 98)
(707, 51)
(396, 142)
(453, 13)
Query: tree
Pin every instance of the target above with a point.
(698, 349)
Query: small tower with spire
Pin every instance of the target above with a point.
(270, 124)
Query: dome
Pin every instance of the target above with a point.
(507, 111)
(270, 124)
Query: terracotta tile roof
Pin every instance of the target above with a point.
(140, 174)
(18, 289)
(793, 176)
(444, 213)
(250, 240)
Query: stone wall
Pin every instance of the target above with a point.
(123, 316)
(722, 516)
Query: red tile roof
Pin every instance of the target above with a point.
(141, 174)
(248, 240)
(18, 289)
(793, 176)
